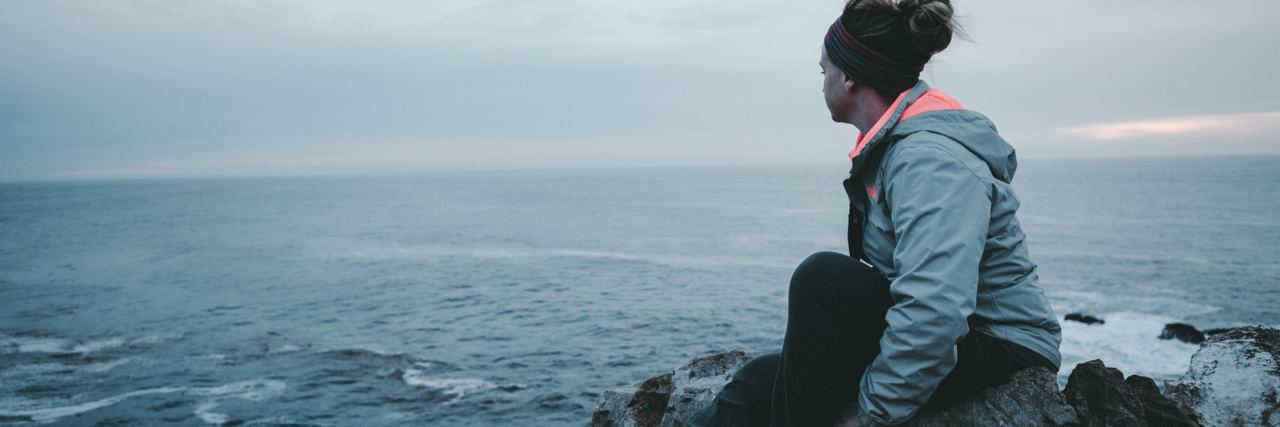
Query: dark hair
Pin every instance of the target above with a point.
(909, 31)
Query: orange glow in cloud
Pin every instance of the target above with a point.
(1246, 123)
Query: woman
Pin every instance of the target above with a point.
(939, 298)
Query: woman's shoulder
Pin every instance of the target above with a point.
(964, 136)
(931, 152)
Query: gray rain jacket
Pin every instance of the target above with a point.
(931, 208)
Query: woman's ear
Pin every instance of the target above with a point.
(848, 84)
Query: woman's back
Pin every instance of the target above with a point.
(966, 150)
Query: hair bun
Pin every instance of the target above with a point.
(928, 24)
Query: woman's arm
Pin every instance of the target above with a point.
(941, 213)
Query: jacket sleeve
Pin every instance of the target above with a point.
(941, 212)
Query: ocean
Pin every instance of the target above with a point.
(516, 297)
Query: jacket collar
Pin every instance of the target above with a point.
(874, 137)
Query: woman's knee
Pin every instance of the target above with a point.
(816, 271)
(824, 275)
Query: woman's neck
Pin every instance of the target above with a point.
(870, 108)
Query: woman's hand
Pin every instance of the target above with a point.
(850, 420)
(849, 417)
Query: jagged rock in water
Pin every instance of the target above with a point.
(670, 399)
(1101, 397)
(1182, 332)
(1234, 379)
(1215, 331)
(1030, 398)
(1084, 318)
(1160, 410)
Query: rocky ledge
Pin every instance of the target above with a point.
(1234, 379)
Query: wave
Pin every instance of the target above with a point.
(365, 357)
(103, 367)
(1068, 301)
(385, 251)
(53, 414)
(456, 387)
(20, 344)
(1127, 341)
(253, 390)
(37, 370)
(204, 412)
(10, 344)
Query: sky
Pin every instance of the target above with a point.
(110, 89)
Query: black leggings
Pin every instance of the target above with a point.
(835, 318)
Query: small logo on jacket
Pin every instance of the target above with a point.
(871, 191)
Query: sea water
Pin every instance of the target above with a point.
(516, 297)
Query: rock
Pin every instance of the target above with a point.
(644, 406)
(1101, 397)
(1084, 318)
(1234, 379)
(1182, 332)
(650, 400)
(670, 399)
(699, 381)
(1030, 398)
(1160, 410)
(1215, 331)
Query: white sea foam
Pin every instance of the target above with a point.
(285, 348)
(52, 414)
(98, 345)
(204, 412)
(54, 345)
(1127, 341)
(31, 344)
(457, 387)
(382, 250)
(98, 368)
(156, 338)
(1067, 301)
(254, 390)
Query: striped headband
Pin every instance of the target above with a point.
(864, 65)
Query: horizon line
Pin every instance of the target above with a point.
(74, 178)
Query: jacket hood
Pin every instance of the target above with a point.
(972, 130)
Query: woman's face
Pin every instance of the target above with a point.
(835, 89)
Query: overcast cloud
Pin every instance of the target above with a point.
(160, 88)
